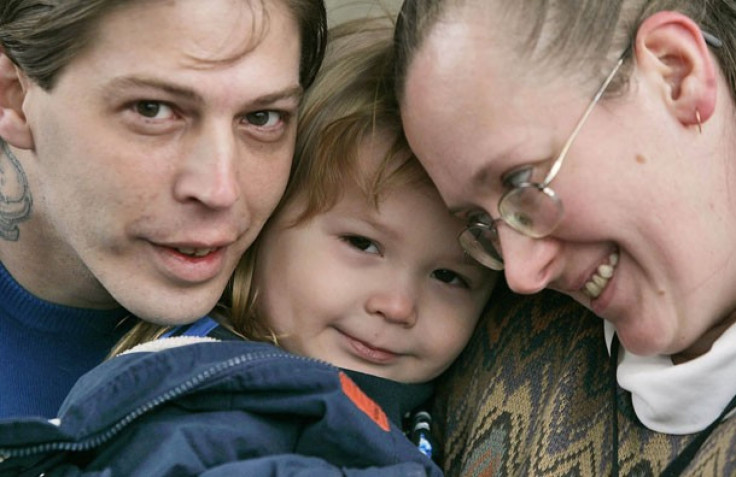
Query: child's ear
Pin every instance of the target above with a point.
(670, 49)
(14, 128)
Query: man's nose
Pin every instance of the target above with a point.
(210, 175)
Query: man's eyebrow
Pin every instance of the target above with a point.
(294, 92)
(118, 84)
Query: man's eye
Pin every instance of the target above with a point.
(153, 109)
(362, 243)
(518, 176)
(264, 118)
(449, 277)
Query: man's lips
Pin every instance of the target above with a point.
(197, 252)
(189, 264)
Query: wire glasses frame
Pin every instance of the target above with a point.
(530, 208)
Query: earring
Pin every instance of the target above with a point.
(700, 123)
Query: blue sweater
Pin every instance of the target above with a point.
(45, 348)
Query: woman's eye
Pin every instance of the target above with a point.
(479, 217)
(265, 119)
(153, 109)
(518, 177)
(361, 243)
(522, 220)
(449, 277)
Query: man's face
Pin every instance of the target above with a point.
(161, 151)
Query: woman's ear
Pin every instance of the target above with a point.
(670, 48)
(14, 128)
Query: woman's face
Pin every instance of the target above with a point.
(636, 183)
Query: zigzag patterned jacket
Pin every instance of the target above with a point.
(532, 395)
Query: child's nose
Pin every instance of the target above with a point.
(395, 302)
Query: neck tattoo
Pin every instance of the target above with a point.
(15, 194)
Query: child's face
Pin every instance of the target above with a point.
(386, 292)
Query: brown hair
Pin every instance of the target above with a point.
(579, 35)
(43, 36)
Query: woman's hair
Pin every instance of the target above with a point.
(43, 36)
(572, 35)
(351, 101)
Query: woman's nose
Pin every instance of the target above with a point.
(527, 261)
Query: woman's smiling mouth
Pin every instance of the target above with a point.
(597, 283)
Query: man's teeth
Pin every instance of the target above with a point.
(195, 252)
(600, 278)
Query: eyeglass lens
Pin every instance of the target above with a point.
(480, 241)
(530, 210)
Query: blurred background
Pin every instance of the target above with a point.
(341, 10)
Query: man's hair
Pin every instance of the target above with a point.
(43, 36)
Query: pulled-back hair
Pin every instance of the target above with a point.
(43, 36)
(581, 35)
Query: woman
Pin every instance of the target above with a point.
(621, 201)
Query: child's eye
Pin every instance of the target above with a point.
(362, 243)
(450, 277)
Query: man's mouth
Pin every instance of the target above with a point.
(597, 283)
(196, 252)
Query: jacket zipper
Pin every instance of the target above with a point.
(178, 390)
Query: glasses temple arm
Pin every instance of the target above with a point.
(558, 162)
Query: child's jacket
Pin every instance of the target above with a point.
(213, 409)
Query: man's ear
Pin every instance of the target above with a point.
(14, 128)
(670, 48)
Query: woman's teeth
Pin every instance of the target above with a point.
(597, 283)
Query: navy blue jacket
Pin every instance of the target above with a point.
(213, 409)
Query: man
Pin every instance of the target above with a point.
(142, 151)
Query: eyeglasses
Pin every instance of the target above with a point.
(530, 208)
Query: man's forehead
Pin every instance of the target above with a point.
(202, 34)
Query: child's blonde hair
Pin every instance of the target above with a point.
(350, 102)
